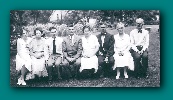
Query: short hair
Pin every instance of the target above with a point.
(51, 28)
(120, 25)
(39, 29)
(85, 28)
(70, 25)
(140, 20)
(21, 33)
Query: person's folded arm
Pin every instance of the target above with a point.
(146, 45)
(79, 50)
(97, 46)
(40, 55)
(132, 43)
(18, 48)
(110, 51)
(60, 48)
(46, 51)
(128, 46)
(96, 49)
(64, 49)
(19, 52)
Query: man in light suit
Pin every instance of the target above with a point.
(140, 42)
(53, 55)
(106, 52)
(72, 51)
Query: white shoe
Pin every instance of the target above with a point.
(117, 77)
(28, 76)
(19, 81)
(126, 76)
(23, 82)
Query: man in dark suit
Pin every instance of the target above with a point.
(106, 52)
(72, 51)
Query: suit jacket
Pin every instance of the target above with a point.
(72, 49)
(108, 47)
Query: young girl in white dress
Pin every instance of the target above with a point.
(90, 46)
(122, 55)
(23, 60)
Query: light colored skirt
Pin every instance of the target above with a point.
(122, 61)
(38, 66)
(89, 63)
(23, 61)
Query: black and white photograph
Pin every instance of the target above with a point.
(84, 48)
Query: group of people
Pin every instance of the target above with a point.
(70, 56)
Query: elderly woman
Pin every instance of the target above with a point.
(122, 55)
(23, 60)
(37, 52)
(90, 44)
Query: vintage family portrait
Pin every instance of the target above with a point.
(85, 48)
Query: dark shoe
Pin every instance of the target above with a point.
(59, 78)
(145, 76)
(93, 76)
(137, 77)
(101, 76)
(50, 78)
(50, 81)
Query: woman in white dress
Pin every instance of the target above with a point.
(37, 52)
(89, 60)
(23, 60)
(122, 55)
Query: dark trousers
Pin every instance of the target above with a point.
(141, 63)
(54, 60)
(105, 68)
(87, 73)
(71, 69)
(54, 71)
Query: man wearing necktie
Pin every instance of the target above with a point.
(140, 42)
(54, 53)
(72, 51)
(106, 52)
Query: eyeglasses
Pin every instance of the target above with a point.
(53, 32)
(103, 27)
(139, 23)
(120, 28)
(71, 29)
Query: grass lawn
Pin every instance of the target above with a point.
(153, 71)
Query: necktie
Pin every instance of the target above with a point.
(54, 46)
(71, 39)
(102, 38)
(139, 31)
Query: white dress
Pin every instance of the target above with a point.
(23, 57)
(38, 65)
(122, 44)
(89, 49)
